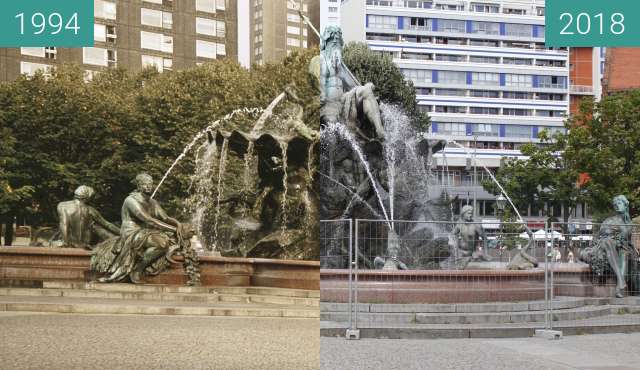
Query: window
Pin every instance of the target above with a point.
(415, 23)
(457, 129)
(483, 78)
(424, 108)
(221, 28)
(50, 52)
(415, 56)
(451, 92)
(100, 32)
(206, 49)
(549, 113)
(450, 109)
(514, 11)
(486, 28)
(540, 11)
(553, 130)
(220, 5)
(518, 61)
(518, 80)
(95, 56)
(112, 58)
(450, 25)
(104, 9)
(33, 51)
(156, 41)
(485, 94)
(418, 4)
(550, 63)
(488, 60)
(517, 131)
(453, 7)
(517, 95)
(452, 77)
(379, 2)
(484, 110)
(553, 82)
(485, 8)
(450, 41)
(417, 75)
(156, 18)
(208, 6)
(30, 69)
(516, 112)
(293, 42)
(111, 33)
(450, 57)
(384, 22)
(295, 18)
(491, 43)
(205, 26)
(484, 129)
(518, 30)
(545, 96)
(159, 63)
(293, 30)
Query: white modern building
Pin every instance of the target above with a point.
(481, 72)
(329, 13)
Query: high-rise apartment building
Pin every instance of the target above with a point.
(329, 13)
(481, 72)
(167, 34)
(277, 29)
(586, 69)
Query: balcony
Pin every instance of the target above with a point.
(581, 89)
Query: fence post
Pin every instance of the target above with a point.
(353, 332)
(547, 313)
(350, 273)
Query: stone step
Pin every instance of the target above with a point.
(164, 297)
(394, 318)
(599, 325)
(558, 303)
(149, 288)
(120, 306)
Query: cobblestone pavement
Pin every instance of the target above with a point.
(71, 341)
(596, 352)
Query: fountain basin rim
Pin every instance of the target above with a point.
(428, 273)
(77, 252)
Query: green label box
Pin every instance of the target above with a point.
(592, 23)
(60, 23)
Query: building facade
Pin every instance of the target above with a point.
(277, 29)
(621, 73)
(329, 13)
(166, 34)
(482, 73)
(586, 70)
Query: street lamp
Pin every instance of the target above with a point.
(501, 202)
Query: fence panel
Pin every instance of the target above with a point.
(336, 273)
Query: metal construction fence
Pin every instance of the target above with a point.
(385, 274)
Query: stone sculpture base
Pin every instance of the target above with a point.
(31, 265)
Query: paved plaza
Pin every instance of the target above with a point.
(596, 352)
(71, 341)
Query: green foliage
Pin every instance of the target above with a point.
(59, 132)
(546, 176)
(391, 86)
(605, 143)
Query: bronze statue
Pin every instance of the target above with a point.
(81, 224)
(342, 98)
(613, 245)
(467, 234)
(148, 238)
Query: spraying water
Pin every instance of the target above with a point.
(199, 136)
(342, 131)
(224, 151)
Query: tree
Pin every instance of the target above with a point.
(545, 177)
(604, 144)
(391, 86)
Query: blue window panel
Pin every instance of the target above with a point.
(434, 77)
(534, 132)
(469, 129)
(400, 23)
(503, 29)
(535, 30)
(503, 131)
(427, 6)
(469, 78)
(534, 81)
(469, 27)
(366, 20)
(434, 127)
(503, 79)
(434, 24)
